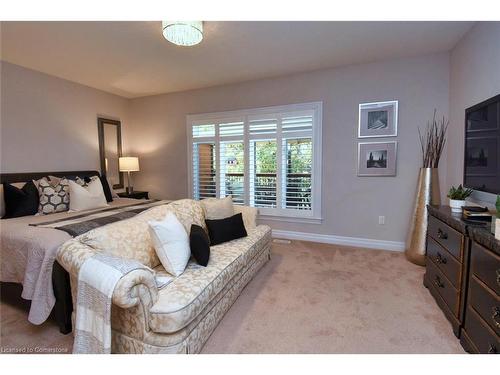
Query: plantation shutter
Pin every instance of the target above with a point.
(263, 163)
(264, 158)
(232, 161)
(204, 166)
(297, 163)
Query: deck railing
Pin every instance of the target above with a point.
(298, 190)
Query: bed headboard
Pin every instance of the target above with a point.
(27, 176)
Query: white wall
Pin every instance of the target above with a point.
(50, 124)
(351, 204)
(474, 77)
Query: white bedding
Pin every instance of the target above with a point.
(27, 254)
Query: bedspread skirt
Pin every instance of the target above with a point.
(190, 339)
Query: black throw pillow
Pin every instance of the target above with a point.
(106, 189)
(227, 229)
(20, 202)
(200, 245)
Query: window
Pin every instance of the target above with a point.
(268, 158)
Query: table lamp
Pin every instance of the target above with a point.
(129, 164)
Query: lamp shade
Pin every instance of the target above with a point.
(183, 33)
(129, 164)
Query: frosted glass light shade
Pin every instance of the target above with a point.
(183, 33)
(128, 164)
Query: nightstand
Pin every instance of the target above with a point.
(135, 195)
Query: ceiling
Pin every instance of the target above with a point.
(132, 59)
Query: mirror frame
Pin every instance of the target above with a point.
(102, 150)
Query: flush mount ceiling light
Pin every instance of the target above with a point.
(183, 33)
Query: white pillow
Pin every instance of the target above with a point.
(171, 243)
(216, 209)
(86, 197)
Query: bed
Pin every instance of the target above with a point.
(27, 254)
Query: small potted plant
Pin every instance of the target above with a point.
(457, 197)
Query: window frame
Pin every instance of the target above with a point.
(245, 115)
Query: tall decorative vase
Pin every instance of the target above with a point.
(427, 193)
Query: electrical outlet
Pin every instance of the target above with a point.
(381, 220)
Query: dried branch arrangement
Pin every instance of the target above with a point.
(432, 141)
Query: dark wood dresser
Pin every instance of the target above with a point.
(463, 276)
(481, 329)
(447, 263)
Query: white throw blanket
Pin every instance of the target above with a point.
(97, 279)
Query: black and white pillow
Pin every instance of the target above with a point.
(53, 198)
(82, 182)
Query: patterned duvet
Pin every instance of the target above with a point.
(27, 254)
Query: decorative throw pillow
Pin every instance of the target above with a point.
(218, 208)
(53, 198)
(20, 202)
(104, 182)
(54, 181)
(86, 197)
(171, 243)
(80, 181)
(249, 215)
(2, 200)
(225, 230)
(199, 244)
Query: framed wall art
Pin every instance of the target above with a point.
(378, 119)
(377, 159)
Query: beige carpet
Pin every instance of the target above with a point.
(310, 298)
(315, 298)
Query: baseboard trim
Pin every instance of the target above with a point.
(340, 240)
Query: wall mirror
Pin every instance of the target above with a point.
(110, 149)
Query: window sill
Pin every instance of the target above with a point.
(291, 219)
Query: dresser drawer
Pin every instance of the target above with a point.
(485, 340)
(486, 303)
(444, 261)
(486, 266)
(443, 287)
(445, 235)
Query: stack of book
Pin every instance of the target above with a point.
(476, 214)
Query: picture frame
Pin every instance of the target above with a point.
(378, 119)
(377, 159)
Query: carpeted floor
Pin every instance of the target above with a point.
(310, 298)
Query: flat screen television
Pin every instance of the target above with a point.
(482, 146)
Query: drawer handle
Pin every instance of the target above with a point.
(442, 235)
(440, 259)
(438, 282)
(492, 349)
(496, 314)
